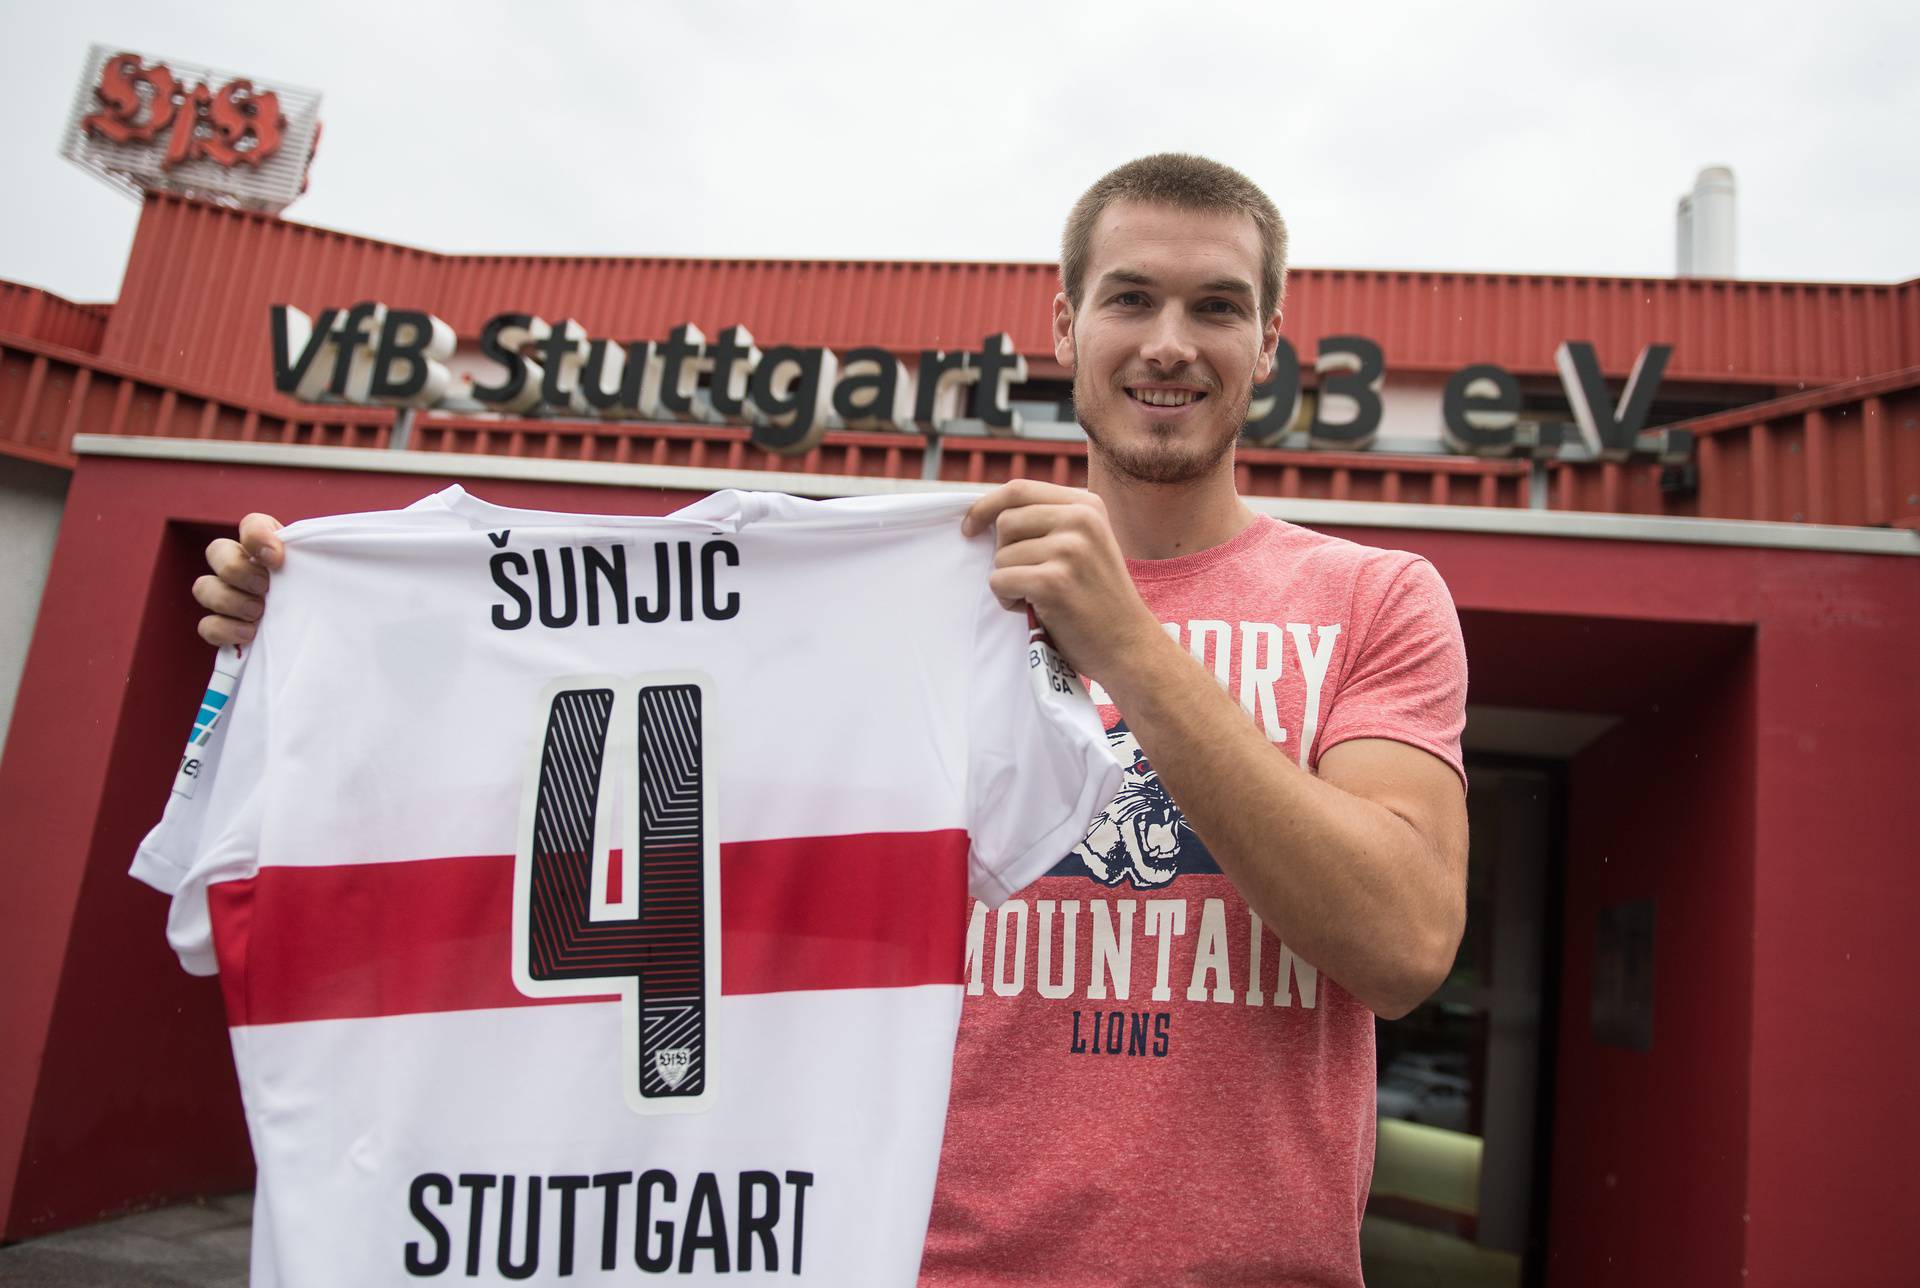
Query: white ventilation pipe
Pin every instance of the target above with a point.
(1703, 231)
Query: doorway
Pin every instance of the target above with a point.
(1464, 1089)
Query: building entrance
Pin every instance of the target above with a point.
(1465, 1095)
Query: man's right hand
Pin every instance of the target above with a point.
(235, 593)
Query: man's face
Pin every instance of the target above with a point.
(1167, 341)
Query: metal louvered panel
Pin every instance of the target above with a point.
(199, 281)
(1735, 332)
(41, 315)
(700, 447)
(1848, 455)
(1441, 480)
(48, 394)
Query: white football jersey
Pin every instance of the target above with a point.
(588, 893)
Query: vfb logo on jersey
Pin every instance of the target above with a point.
(673, 1065)
(625, 759)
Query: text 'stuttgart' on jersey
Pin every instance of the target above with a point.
(585, 891)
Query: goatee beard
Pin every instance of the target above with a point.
(1164, 462)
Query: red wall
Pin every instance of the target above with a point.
(1834, 1125)
(1649, 1144)
(1758, 788)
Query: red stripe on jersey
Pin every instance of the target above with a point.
(878, 910)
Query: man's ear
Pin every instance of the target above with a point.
(1269, 342)
(1063, 331)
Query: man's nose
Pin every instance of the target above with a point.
(1169, 344)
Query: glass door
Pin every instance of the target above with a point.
(1464, 1081)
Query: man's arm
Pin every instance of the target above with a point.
(235, 592)
(1360, 869)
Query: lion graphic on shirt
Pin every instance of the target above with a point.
(1138, 836)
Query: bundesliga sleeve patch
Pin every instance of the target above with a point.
(1052, 677)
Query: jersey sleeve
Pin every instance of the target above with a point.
(210, 828)
(1038, 768)
(1408, 678)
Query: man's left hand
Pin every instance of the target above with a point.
(1058, 555)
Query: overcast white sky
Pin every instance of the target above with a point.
(1511, 136)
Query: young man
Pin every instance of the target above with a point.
(1168, 1077)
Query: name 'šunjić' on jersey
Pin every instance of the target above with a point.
(567, 585)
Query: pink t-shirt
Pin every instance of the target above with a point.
(1144, 1092)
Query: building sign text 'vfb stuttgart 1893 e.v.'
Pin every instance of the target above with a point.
(789, 396)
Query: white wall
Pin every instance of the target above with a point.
(1410, 408)
(31, 499)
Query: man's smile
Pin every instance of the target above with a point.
(1166, 400)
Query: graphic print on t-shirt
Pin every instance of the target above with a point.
(1141, 838)
(1139, 916)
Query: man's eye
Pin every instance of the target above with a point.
(1130, 299)
(1220, 306)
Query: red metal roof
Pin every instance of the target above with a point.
(200, 278)
(42, 315)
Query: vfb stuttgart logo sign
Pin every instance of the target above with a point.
(231, 126)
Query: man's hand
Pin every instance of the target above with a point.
(235, 593)
(1057, 554)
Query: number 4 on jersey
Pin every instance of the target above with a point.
(641, 918)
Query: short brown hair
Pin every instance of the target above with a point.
(1185, 182)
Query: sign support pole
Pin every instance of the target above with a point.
(930, 458)
(402, 437)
